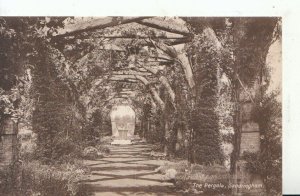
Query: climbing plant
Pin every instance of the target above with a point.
(56, 120)
(204, 120)
(268, 161)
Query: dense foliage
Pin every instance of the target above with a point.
(205, 120)
(56, 119)
(38, 179)
(268, 162)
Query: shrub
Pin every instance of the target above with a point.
(45, 180)
(157, 155)
(90, 153)
(268, 162)
(158, 147)
(6, 180)
(103, 149)
(52, 180)
(269, 169)
(27, 150)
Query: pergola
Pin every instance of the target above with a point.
(160, 41)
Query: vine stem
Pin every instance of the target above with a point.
(244, 88)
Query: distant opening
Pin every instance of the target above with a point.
(123, 122)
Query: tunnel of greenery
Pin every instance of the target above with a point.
(186, 78)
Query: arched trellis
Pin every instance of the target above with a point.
(164, 44)
(144, 81)
(166, 52)
(144, 63)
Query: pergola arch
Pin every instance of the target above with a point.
(168, 52)
(159, 44)
(148, 55)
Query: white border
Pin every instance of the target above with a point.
(145, 7)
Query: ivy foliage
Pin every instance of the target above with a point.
(268, 162)
(56, 120)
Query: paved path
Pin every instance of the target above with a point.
(128, 170)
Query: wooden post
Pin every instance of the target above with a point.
(248, 141)
(8, 142)
(9, 152)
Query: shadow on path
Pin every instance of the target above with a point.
(128, 170)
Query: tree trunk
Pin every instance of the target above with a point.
(236, 128)
(9, 152)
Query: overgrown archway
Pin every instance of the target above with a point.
(169, 69)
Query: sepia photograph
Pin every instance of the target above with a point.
(140, 105)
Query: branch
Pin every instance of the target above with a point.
(179, 41)
(112, 47)
(165, 82)
(124, 80)
(165, 27)
(163, 37)
(130, 72)
(181, 58)
(142, 79)
(99, 23)
(244, 88)
(211, 36)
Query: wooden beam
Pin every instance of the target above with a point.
(164, 26)
(112, 47)
(122, 77)
(131, 72)
(153, 92)
(161, 78)
(179, 57)
(124, 80)
(127, 92)
(162, 37)
(187, 69)
(162, 57)
(211, 36)
(123, 94)
(164, 81)
(144, 81)
(99, 23)
(179, 41)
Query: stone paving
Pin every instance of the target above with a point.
(128, 170)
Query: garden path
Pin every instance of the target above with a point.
(128, 170)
